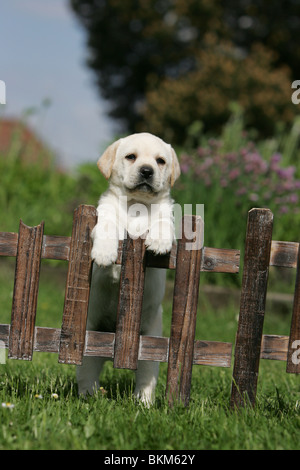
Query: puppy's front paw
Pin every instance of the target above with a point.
(105, 253)
(159, 246)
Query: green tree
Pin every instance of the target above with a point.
(134, 44)
(275, 24)
(220, 78)
(152, 61)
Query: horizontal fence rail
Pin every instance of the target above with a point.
(58, 248)
(126, 346)
(152, 348)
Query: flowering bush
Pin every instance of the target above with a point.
(229, 183)
(247, 175)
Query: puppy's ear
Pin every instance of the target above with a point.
(107, 159)
(175, 171)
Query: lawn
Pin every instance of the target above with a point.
(47, 414)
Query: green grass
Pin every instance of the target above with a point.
(115, 421)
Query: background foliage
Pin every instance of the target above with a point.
(229, 174)
(163, 64)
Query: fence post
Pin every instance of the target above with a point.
(185, 300)
(27, 274)
(72, 339)
(130, 304)
(293, 363)
(252, 307)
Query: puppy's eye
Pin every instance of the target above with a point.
(160, 161)
(131, 157)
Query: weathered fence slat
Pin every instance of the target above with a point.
(152, 348)
(25, 291)
(274, 347)
(55, 247)
(284, 254)
(252, 307)
(293, 363)
(78, 287)
(130, 304)
(8, 244)
(215, 260)
(185, 300)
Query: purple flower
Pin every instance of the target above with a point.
(286, 173)
(233, 174)
(232, 157)
(283, 210)
(184, 168)
(275, 159)
(294, 198)
(247, 175)
(241, 191)
(253, 197)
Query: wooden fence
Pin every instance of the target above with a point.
(181, 351)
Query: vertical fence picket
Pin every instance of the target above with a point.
(293, 362)
(130, 304)
(73, 328)
(252, 307)
(28, 260)
(185, 300)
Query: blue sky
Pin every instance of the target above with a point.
(42, 56)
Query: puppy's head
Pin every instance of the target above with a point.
(142, 165)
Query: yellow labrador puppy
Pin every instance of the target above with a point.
(141, 169)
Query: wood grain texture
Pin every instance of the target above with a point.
(99, 344)
(25, 294)
(274, 347)
(284, 254)
(152, 348)
(8, 244)
(78, 287)
(214, 260)
(217, 260)
(185, 300)
(55, 247)
(130, 304)
(212, 353)
(293, 357)
(252, 307)
(47, 339)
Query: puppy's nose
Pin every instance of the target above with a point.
(146, 172)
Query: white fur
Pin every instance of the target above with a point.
(138, 208)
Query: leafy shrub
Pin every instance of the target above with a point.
(33, 192)
(222, 75)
